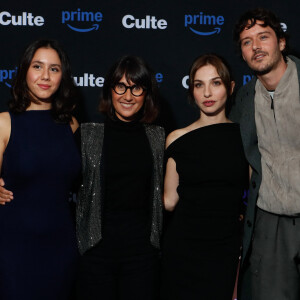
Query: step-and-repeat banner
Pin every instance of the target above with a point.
(169, 35)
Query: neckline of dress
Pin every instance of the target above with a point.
(203, 127)
(38, 110)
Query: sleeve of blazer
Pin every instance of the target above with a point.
(236, 110)
(88, 213)
(156, 136)
(241, 102)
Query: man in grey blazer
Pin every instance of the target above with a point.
(268, 111)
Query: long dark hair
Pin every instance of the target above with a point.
(65, 99)
(136, 70)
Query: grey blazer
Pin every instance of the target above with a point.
(88, 212)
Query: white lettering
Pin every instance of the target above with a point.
(16, 20)
(89, 80)
(24, 15)
(30, 17)
(39, 21)
(283, 26)
(99, 81)
(149, 22)
(140, 23)
(25, 19)
(85, 79)
(162, 24)
(124, 21)
(6, 14)
(184, 81)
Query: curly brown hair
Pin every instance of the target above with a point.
(249, 19)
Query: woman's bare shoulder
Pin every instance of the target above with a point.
(5, 127)
(4, 120)
(174, 135)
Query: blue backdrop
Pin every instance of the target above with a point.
(169, 35)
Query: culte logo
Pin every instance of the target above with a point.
(89, 80)
(25, 19)
(80, 17)
(184, 81)
(205, 24)
(7, 75)
(149, 22)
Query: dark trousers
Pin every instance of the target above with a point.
(275, 257)
(118, 277)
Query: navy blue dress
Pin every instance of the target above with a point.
(38, 251)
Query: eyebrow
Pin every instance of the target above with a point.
(218, 77)
(260, 33)
(40, 62)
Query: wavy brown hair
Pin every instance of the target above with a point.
(249, 19)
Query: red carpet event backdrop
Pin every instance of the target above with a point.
(169, 35)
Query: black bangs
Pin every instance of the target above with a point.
(134, 69)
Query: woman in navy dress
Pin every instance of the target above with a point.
(40, 163)
(205, 176)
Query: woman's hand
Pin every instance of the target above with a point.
(5, 195)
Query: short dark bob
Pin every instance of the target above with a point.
(249, 19)
(137, 71)
(65, 99)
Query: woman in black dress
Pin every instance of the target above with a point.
(205, 176)
(119, 207)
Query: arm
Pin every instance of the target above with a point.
(171, 179)
(234, 296)
(5, 129)
(74, 124)
(170, 187)
(235, 112)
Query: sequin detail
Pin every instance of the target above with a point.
(89, 217)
